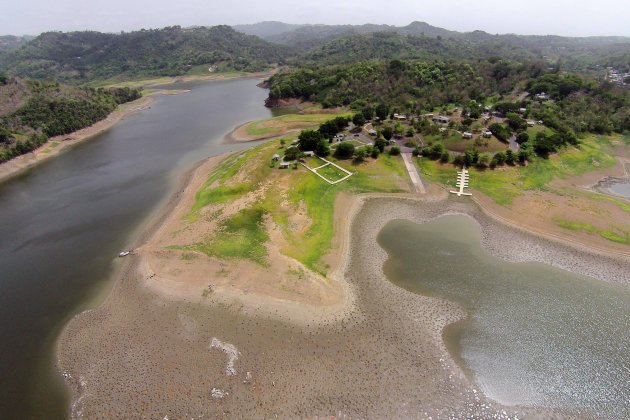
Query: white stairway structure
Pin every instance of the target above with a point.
(462, 182)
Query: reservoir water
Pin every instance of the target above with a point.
(621, 188)
(63, 223)
(535, 335)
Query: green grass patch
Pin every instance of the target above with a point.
(277, 125)
(504, 184)
(331, 173)
(215, 190)
(619, 235)
(242, 236)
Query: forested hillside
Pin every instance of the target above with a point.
(32, 111)
(574, 103)
(79, 57)
(387, 45)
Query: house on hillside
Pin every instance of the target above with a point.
(487, 134)
(400, 117)
(467, 135)
(283, 165)
(441, 119)
(542, 96)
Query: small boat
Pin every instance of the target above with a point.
(124, 253)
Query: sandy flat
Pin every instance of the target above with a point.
(351, 344)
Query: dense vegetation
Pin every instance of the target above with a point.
(576, 103)
(412, 85)
(172, 51)
(49, 109)
(570, 105)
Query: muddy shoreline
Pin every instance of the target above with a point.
(143, 354)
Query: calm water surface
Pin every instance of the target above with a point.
(622, 188)
(63, 223)
(536, 335)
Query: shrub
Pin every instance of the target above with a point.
(394, 151)
(344, 151)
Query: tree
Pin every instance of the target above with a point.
(515, 122)
(410, 132)
(380, 144)
(500, 131)
(5, 135)
(368, 112)
(3, 79)
(523, 156)
(332, 127)
(471, 156)
(322, 148)
(387, 133)
(382, 111)
(445, 157)
(435, 151)
(522, 137)
(345, 150)
(291, 153)
(499, 158)
(394, 151)
(358, 120)
(359, 155)
(510, 157)
(309, 139)
(483, 161)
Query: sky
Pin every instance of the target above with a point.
(539, 17)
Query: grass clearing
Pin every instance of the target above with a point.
(243, 235)
(332, 173)
(506, 183)
(283, 123)
(616, 234)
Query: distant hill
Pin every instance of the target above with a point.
(266, 29)
(315, 41)
(86, 56)
(311, 36)
(10, 42)
(389, 45)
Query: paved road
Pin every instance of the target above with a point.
(514, 144)
(413, 173)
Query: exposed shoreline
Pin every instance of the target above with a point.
(58, 144)
(131, 313)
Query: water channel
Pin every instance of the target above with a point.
(63, 223)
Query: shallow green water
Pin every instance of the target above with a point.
(536, 335)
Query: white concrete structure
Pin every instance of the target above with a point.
(462, 182)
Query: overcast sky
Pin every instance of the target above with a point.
(560, 17)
